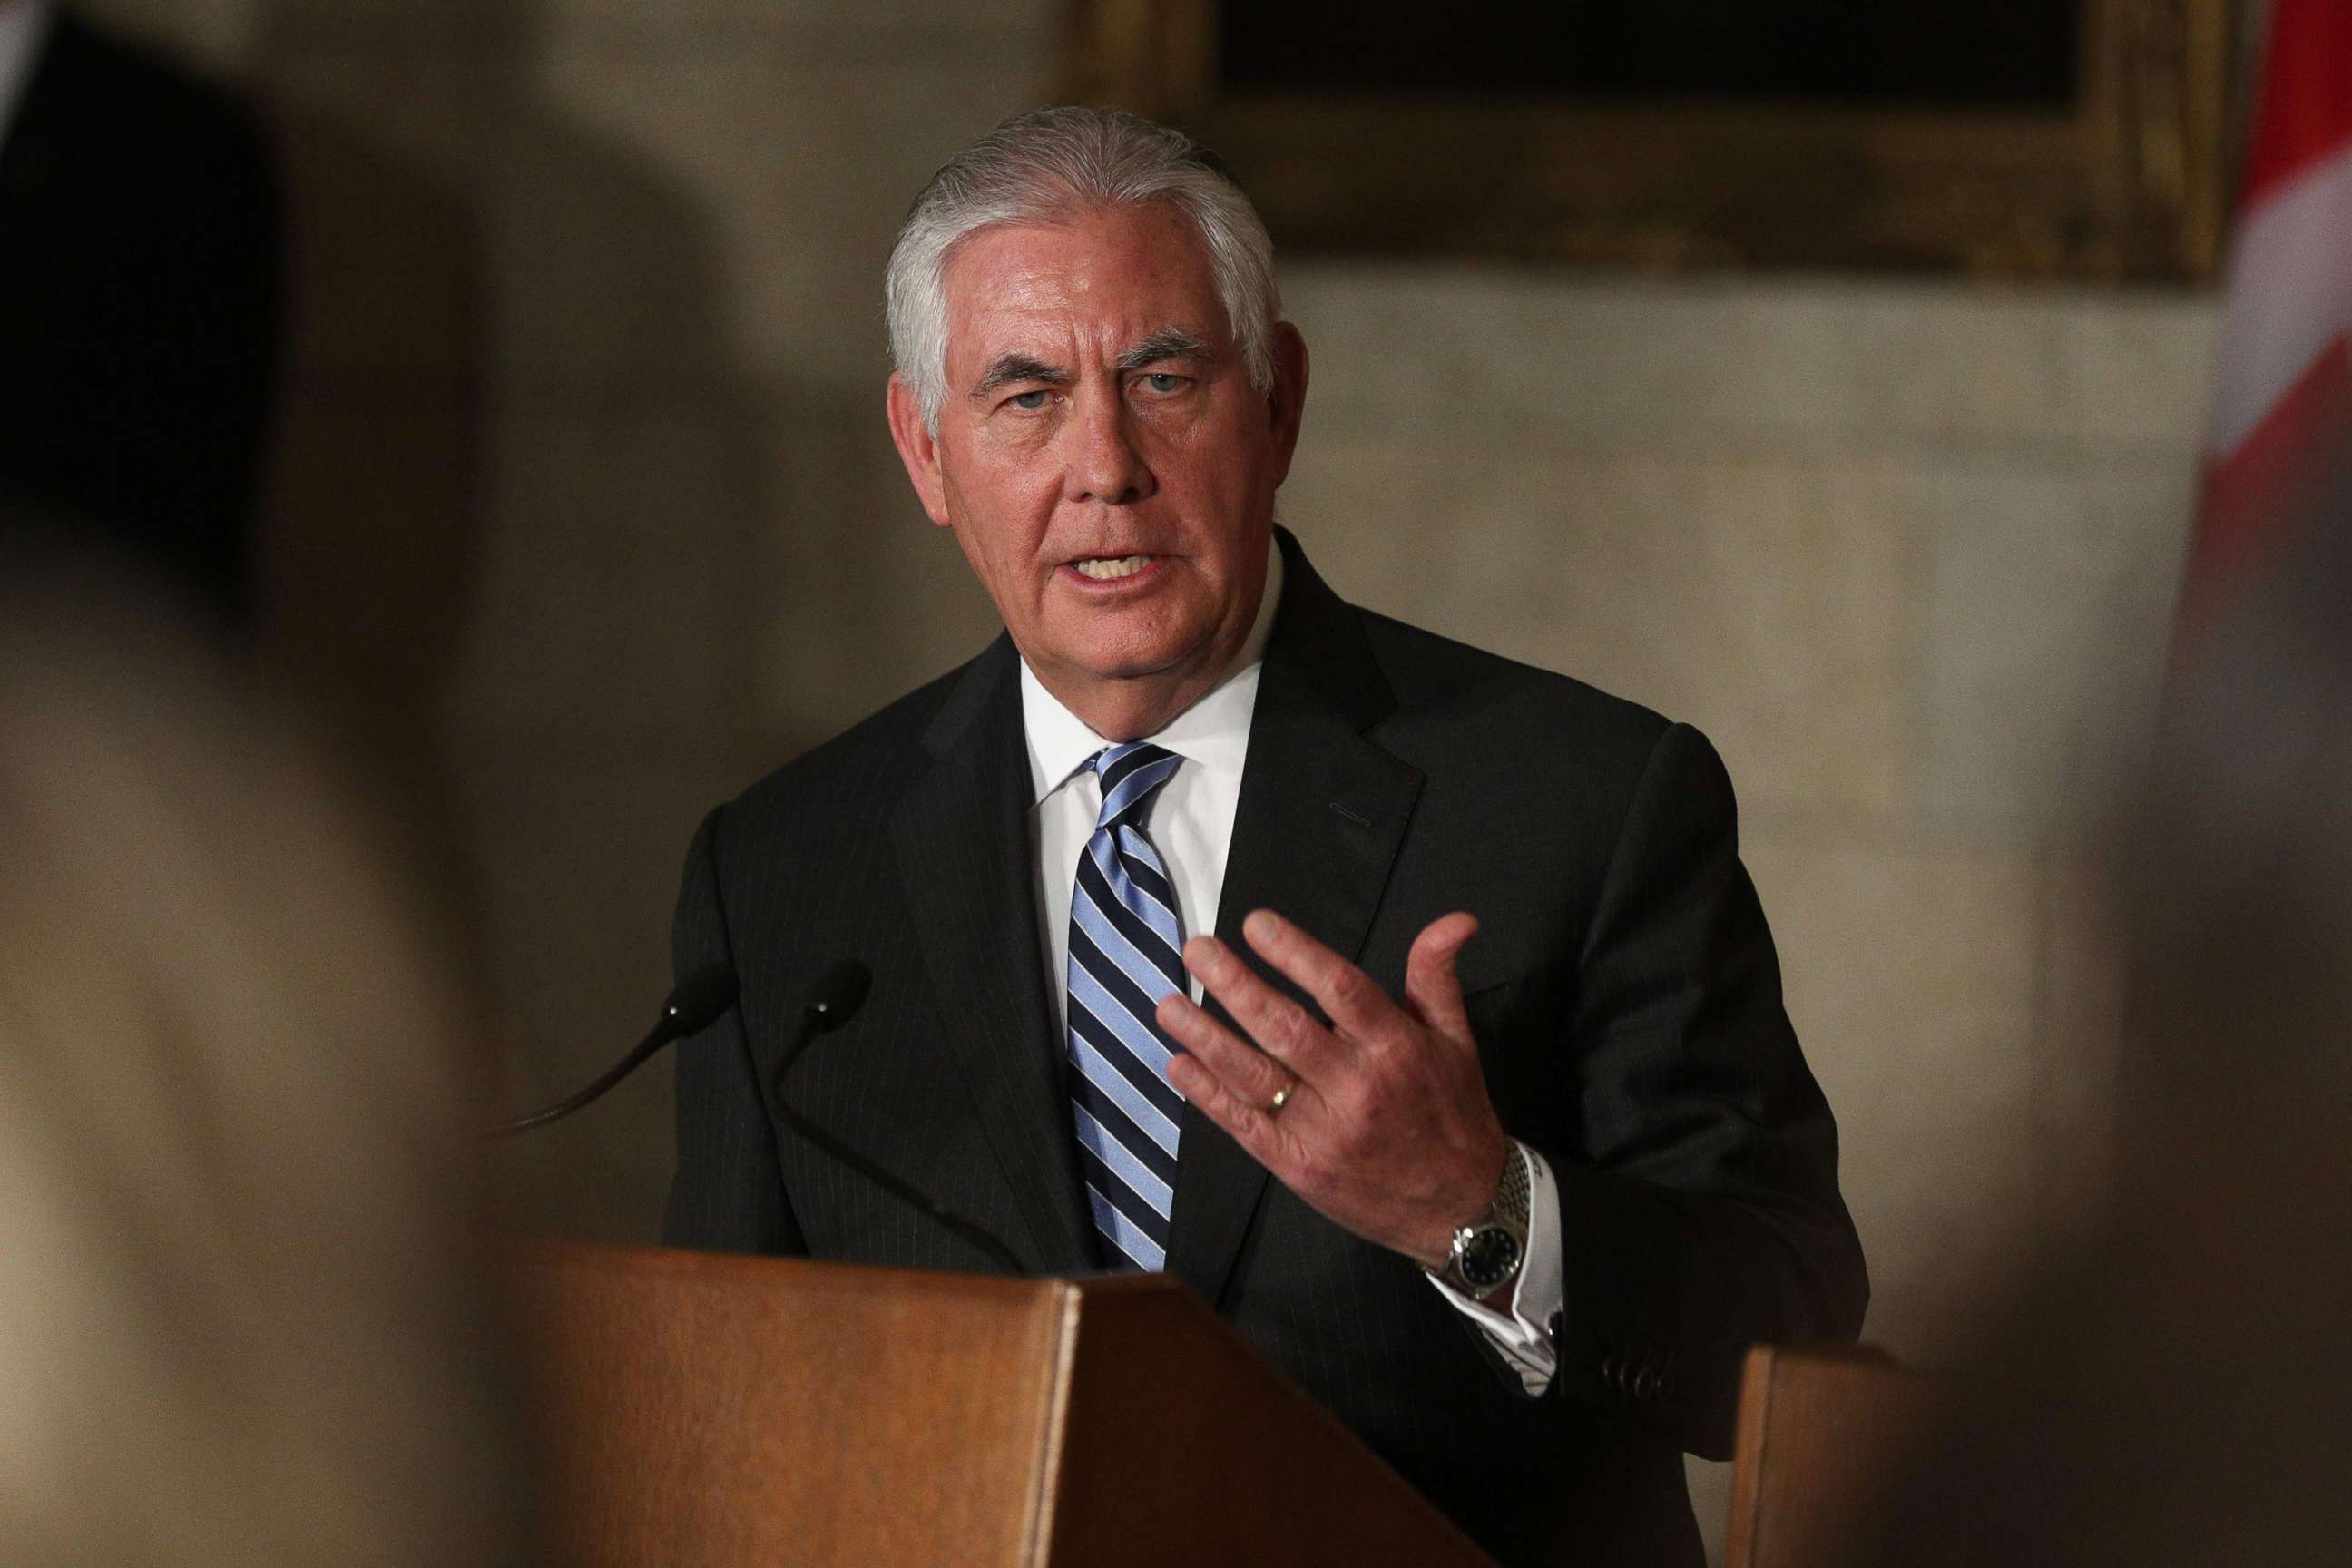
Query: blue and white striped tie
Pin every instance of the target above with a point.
(1125, 947)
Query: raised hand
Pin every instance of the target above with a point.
(1379, 1121)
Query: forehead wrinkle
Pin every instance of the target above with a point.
(1016, 285)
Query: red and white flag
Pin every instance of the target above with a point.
(2282, 412)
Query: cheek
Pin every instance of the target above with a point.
(1015, 467)
(1217, 494)
(1209, 457)
(1014, 439)
(997, 501)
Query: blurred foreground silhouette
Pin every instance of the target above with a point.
(141, 291)
(242, 1319)
(2169, 1389)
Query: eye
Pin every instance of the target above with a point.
(1163, 381)
(1029, 401)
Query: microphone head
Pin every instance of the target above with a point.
(838, 994)
(700, 998)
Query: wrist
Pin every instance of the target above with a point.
(1483, 1256)
(1473, 1195)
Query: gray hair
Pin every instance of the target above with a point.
(1055, 164)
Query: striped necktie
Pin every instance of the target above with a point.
(1124, 957)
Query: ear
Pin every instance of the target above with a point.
(918, 449)
(1286, 403)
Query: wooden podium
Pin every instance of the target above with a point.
(712, 1411)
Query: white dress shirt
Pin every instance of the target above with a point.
(24, 24)
(1192, 826)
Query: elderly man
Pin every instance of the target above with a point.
(1171, 895)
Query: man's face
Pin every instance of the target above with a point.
(1102, 458)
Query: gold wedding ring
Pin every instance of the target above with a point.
(1281, 1097)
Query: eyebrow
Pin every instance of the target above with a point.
(1167, 342)
(1009, 368)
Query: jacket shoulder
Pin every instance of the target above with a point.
(1449, 689)
(854, 772)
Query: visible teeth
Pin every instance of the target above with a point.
(1107, 569)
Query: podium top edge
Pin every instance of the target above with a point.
(561, 1254)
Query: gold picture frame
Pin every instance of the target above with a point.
(2129, 181)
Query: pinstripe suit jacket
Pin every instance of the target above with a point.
(1624, 990)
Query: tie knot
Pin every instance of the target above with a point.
(1131, 775)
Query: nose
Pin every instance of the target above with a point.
(1104, 462)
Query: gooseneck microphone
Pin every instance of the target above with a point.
(832, 1000)
(694, 1007)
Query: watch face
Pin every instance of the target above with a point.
(1489, 1257)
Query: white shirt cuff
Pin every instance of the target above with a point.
(1522, 1335)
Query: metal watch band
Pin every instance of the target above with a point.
(1516, 1196)
(1507, 1216)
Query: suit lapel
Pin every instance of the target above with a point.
(1322, 814)
(962, 833)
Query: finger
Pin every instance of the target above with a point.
(1433, 983)
(1247, 1071)
(1245, 1120)
(1283, 1029)
(1348, 996)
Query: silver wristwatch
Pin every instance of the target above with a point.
(1488, 1251)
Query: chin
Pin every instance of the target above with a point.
(1133, 666)
(1138, 653)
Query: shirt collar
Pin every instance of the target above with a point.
(1212, 733)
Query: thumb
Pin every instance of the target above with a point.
(1431, 985)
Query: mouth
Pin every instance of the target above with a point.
(1112, 568)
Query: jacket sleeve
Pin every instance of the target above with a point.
(728, 1195)
(1702, 1214)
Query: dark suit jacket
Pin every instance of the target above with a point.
(138, 308)
(1624, 990)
